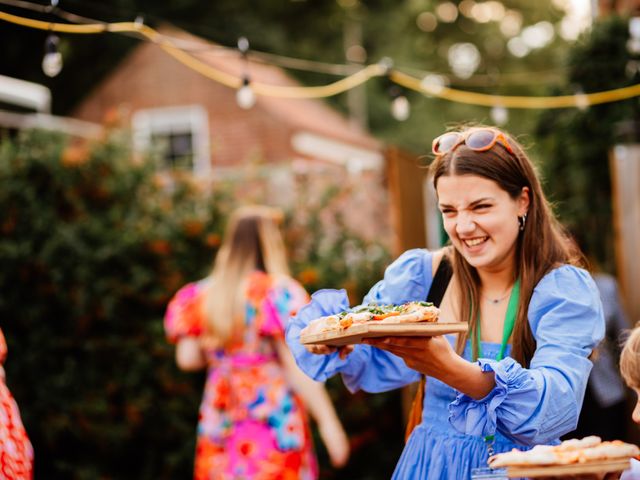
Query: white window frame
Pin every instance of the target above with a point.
(164, 120)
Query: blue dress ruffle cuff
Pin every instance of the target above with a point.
(479, 417)
(323, 303)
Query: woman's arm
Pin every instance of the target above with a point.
(435, 357)
(366, 368)
(316, 398)
(189, 355)
(540, 403)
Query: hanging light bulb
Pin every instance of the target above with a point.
(633, 44)
(245, 95)
(400, 106)
(52, 60)
(499, 115)
(243, 45)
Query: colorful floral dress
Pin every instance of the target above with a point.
(251, 425)
(16, 454)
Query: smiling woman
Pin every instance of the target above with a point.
(518, 377)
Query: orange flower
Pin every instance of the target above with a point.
(161, 247)
(133, 414)
(212, 240)
(308, 276)
(172, 281)
(9, 224)
(193, 228)
(74, 155)
(112, 117)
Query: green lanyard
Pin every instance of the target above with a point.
(509, 321)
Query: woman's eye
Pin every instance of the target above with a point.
(447, 211)
(482, 206)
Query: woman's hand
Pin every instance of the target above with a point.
(428, 355)
(336, 442)
(434, 356)
(326, 350)
(189, 355)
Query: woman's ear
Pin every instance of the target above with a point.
(524, 200)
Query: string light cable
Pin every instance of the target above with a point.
(478, 79)
(580, 100)
(219, 76)
(494, 79)
(351, 81)
(209, 48)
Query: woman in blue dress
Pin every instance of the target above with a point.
(518, 377)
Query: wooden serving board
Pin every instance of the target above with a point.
(604, 466)
(355, 333)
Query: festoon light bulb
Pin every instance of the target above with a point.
(245, 96)
(52, 60)
(499, 115)
(400, 108)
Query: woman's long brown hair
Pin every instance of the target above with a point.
(541, 246)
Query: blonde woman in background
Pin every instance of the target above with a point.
(253, 421)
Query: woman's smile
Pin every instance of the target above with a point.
(471, 243)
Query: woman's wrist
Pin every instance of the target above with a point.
(468, 378)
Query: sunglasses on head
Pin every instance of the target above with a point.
(477, 139)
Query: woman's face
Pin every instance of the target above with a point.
(481, 219)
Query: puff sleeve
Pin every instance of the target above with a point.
(366, 368)
(183, 316)
(281, 302)
(540, 403)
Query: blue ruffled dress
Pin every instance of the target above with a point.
(528, 406)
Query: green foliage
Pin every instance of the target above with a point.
(330, 254)
(575, 144)
(93, 245)
(91, 249)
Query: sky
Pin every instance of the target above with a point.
(579, 14)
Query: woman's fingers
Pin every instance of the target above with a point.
(326, 350)
(320, 349)
(344, 351)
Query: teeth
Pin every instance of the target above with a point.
(475, 241)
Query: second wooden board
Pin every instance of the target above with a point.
(604, 466)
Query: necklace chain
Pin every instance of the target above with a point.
(495, 301)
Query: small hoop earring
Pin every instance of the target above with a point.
(522, 221)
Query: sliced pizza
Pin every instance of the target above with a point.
(585, 450)
(409, 312)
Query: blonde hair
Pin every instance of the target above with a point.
(252, 242)
(630, 359)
